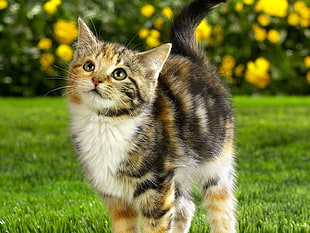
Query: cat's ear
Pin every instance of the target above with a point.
(86, 37)
(155, 59)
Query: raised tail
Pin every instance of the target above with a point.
(184, 26)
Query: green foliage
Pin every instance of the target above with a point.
(233, 35)
(43, 190)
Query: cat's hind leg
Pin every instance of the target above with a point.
(218, 195)
(184, 210)
(125, 218)
(157, 208)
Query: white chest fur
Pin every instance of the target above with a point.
(103, 145)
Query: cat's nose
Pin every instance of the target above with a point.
(96, 81)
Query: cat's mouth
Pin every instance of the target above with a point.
(95, 91)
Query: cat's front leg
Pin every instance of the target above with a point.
(125, 218)
(157, 211)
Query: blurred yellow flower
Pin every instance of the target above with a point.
(299, 6)
(260, 34)
(154, 33)
(147, 10)
(65, 31)
(218, 32)
(308, 76)
(305, 22)
(225, 72)
(307, 62)
(257, 72)
(158, 23)
(167, 12)
(273, 36)
(203, 31)
(262, 63)
(228, 61)
(64, 52)
(248, 2)
(276, 8)
(152, 41)
(239, 7)
(239, 70)
(293, 19)
(263, 19)
(227, 64)
(46, 60)
(300, 15)
(56, 2)
(45, 43)
(50, 7)
(143, 33)
(3, 4)
(305, 16)
(152, 37)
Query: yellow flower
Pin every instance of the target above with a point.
(167, 12)
(299, 6)
(45, 43)
(56, 2)
(151, 36)
(46, 60)
(65, 31)
(154, 33)
(3, 4)
(147, 10)
(260, 34)
(273, 36)
(263, 64)
(218, 31)
(263, 19)
(307, 62)
(239, 70)
(225, 72)
(64, 52)
(158, 23)
(276, 8)
(248, 2)
(203, 31)
(257, 72)
(143, 33)
(304, 22)
(50, 7)
(152, 41)
(305, 17)
(308, 76)
(228, 62)
(239, 7)
(293, 19)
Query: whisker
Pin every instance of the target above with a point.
(69, 92)
(131, 40)
(57, 78)
(56, 89)
(62, 69)
(93, 26)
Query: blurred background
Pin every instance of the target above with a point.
(261, 47)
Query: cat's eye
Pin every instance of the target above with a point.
(119, 74)
(89, 66)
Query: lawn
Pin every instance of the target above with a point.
(42, 188)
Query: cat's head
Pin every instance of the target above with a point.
(111, 79)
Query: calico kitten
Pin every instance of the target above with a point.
(149, 125)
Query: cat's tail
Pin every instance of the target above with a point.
(184, 26)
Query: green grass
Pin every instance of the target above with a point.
(42, 187)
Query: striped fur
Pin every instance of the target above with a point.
(149, 125)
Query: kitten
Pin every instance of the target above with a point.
(149, 125)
